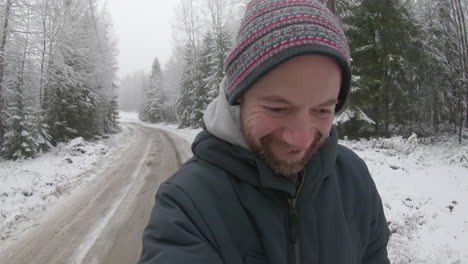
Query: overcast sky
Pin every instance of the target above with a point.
(143, 31)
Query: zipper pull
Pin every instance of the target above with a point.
(293, 221)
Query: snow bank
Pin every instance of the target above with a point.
(188, 134)
(424, 188)
(29, 187)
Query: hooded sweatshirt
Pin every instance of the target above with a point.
(225, 205)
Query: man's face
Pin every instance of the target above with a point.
(288, 113)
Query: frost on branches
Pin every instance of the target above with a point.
(57, 74)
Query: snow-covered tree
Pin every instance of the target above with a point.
(171, 86)
(443, 74)
(4, 37)
(202, 68)
(27, 133)
(81, 71)
(384, 42)
(192, 98)
(153, 108)
(57, 73)
(216, 43)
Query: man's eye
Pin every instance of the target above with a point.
(276, 109)
(323, 112)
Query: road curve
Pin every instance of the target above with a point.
(102, 221)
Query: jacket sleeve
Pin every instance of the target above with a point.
(176, 232)
(376, 251)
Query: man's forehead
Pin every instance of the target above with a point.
(284, 100)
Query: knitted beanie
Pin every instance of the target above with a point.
(273, 31)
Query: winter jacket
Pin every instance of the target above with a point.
(225, 205)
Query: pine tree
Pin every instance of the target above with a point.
(385, 55)
(70, 103)
(112, 115)
(27, 134)
(4, 34)
(154, 106)
(79, 81)
(171, 87)
(192, 95)
(216, 46)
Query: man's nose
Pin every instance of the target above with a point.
(299, 132)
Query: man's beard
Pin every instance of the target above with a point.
(287, 168)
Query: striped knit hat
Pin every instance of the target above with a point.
(273, 31)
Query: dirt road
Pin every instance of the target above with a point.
(102, 221)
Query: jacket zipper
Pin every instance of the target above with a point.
(293, 222)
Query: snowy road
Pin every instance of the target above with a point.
(102, 221)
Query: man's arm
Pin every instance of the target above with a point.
(376, 251)
(176, 232)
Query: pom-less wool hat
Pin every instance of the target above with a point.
(273, 31)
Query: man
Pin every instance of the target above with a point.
(268, 182)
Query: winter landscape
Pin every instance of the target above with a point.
(74, 74)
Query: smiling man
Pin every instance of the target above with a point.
(285, 126)
(269, 182)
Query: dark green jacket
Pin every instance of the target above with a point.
(226, 206)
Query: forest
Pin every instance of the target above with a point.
(409, 64)
(57, 74)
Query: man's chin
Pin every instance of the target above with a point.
(286, 164)
(286, 168)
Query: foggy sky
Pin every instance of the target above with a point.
(143, 31)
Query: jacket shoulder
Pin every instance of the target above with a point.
(347, 154)
(358, 188)
(349, 161)
(353, 174)
(199, 175)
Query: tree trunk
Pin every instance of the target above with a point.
(377, 118)
(435, 112)
(464, 35)
(3, 44)
(2, 64)
(386, 102)
(462, 48)
(43, 55)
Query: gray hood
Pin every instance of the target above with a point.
(223, 120)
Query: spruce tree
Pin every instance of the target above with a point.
(216, 46)
(26, 134)
(70, 103)
(385, 56)
(154, 105)
(192, 95)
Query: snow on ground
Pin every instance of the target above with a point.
(424, 188)
(29, 187)
(188, 134)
